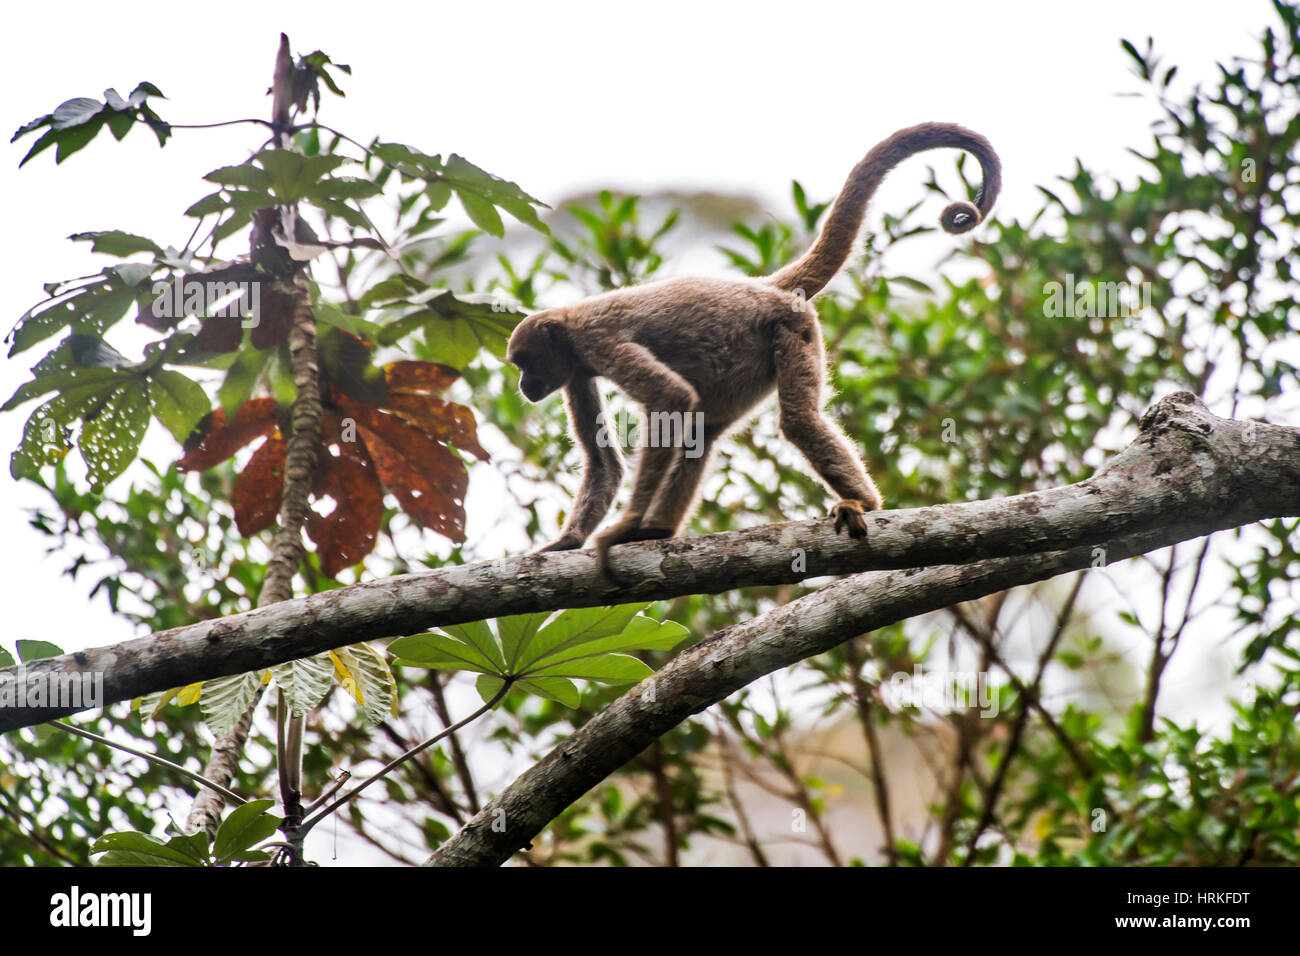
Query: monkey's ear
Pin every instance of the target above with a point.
(555, 330)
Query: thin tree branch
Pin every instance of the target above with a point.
(152, 758)
(325, 811)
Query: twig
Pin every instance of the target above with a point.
(152, 758)
(316, 818)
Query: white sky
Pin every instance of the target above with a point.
(559, 97)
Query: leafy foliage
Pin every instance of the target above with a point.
(543, 654)
(955, 388)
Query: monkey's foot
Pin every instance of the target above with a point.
(851, 514)
(621, 533)
(566, 542)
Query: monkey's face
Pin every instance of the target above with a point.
(532, 379)
(540, 350)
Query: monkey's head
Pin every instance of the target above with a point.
(543, 352)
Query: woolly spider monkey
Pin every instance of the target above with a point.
(717, 347)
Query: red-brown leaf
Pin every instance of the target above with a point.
(256, 498)
(348, 533)
(427, 479)
(446, 421)
(220, 333)
(411, 376)
(274, 316)
(220, 441)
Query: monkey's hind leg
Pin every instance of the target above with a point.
(650, 470)
(674, 479)
(800, 372)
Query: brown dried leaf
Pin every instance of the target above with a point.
(274, 315)
(258, 488)
(427, 479)
(219, 441)
(448, 422)
(412, 376)
(349, 532)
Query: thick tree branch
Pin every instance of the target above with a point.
(1187, 474)
(726, 662)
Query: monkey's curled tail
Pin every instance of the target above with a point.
(820, 263)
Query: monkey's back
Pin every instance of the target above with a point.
(715, 333)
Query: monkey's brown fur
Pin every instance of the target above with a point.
(718, 346)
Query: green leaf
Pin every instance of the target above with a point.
(342, 188)
(114, 242)
(559, 689)
(241, 379)
(286, 172)
(245, 175)
(45, 142)
(236, 221)
(246, 826)
(482, 212)
(75, 112)
(578, 626)
(479, 636)
(456, 330)
(609, 668)
(111, 438)
(140, 849)
(468, 179)
(60, 381)
(441, 651)
(178, 402)
(338, 208)
(45, 439)
(641, 634)
(29, 651)
(208, 205)
(90, 308)
(516, 632)
(329, 314)
(438, 194)
(76, 138)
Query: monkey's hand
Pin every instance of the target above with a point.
(567, 542)
(851, 514)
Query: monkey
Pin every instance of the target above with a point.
(712, 349)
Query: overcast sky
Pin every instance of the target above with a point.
(559, 97)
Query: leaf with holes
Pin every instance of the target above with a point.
(350, 480)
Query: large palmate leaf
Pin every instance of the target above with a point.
(480, 192)
(304, 682)
(456, 330)
(88, 305)
(246, 826)
(545, 653)
(359, 669)
(75, 122)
